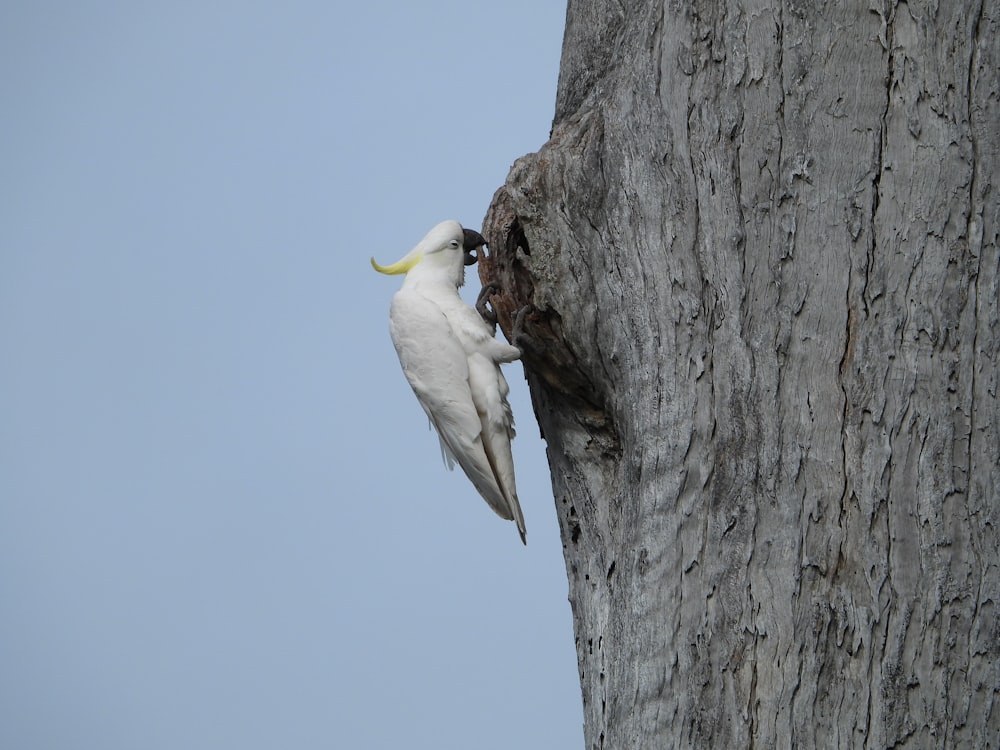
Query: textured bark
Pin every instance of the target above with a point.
(762, 249)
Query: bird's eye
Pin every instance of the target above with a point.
(453, 243)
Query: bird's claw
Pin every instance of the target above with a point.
(517, 333)
(482, 302)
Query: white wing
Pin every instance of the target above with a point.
(437, 368)
(489, 393)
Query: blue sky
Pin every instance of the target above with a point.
(223, 521)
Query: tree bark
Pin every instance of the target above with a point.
(761, 250)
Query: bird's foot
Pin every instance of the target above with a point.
(517, 334)
(482, 302)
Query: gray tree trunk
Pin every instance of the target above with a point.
(762, 249)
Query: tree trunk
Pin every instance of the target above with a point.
(761, 246)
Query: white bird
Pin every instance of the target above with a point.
(452, 361)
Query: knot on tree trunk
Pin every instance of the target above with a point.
(527, 285)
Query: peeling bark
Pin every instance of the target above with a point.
(761, 250)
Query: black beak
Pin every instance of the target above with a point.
(473, 241)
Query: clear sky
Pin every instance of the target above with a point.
(223, 520)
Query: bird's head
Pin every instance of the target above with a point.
(441, 255)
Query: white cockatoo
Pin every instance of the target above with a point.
(452, 361)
